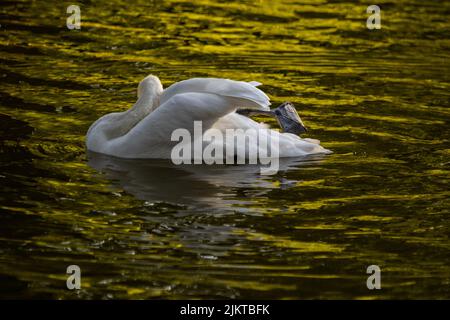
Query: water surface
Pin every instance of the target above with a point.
(148, 229)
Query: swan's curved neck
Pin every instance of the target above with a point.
(121, 123)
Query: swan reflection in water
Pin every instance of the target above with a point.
(220, 187)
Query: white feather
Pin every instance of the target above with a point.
(251, 97)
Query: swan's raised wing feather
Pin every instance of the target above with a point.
(151, 137)
(247, 94)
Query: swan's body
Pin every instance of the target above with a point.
(144, 131)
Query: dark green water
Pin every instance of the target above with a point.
(147, 229)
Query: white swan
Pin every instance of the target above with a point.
(144, 131)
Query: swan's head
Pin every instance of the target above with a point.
(150, 86)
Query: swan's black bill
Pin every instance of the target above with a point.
(286, 115)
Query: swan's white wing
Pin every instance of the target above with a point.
(249, 96)
(151, 137)
(255, 83)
